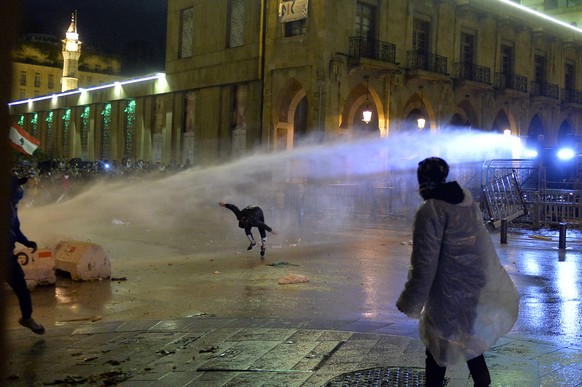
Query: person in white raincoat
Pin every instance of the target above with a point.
(456, 284)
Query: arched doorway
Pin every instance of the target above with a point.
(362, 97)
(290, 116)
(414, 121)
(363, 129)
(300, 121)
(501, 122)
(465, 117)
(534, 141)
(565, 133)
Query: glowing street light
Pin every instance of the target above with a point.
(367, 113)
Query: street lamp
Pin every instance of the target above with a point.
(421, 121)
(367, 113)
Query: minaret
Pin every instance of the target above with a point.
(71, 53)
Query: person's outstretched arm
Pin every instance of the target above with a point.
(231, 207)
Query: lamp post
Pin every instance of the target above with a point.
(421, 121)
(367, 113)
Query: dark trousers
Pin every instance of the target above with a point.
(18, 284)
(261, 231)
(435, 374)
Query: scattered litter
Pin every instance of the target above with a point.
(164, 352)
(406, 243)
(282, 263)
(209, 350)
(201, 314)
(293, 279)
(216, 272)
(544, 238)
(104, 379)
(92, 319)
(119, 222)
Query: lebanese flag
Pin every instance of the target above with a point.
(22, 141)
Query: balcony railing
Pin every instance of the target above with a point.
(471, 72)
(363, 47)
(545, 89)
(426, 61)
(572, 96)
(511, 81)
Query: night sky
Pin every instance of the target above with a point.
(132, 29)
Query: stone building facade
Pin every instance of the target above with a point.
(37, 68)
(247, 74)
(568, 11)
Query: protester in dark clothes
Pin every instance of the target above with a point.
(15, 274)
(456, 286)
(249, 217)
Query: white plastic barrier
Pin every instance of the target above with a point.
(38, 267)
(83, 260)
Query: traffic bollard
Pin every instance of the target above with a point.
(503, 230)
(562, 238)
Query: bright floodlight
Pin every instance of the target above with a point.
(566, 153)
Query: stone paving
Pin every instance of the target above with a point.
(210, 351)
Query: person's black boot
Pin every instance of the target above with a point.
(32, 325)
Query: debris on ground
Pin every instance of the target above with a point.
(544, 238)
(282, 263)
(293, 279)
(104, 379)
(209, 350)
(91, 319)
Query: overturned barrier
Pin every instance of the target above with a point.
(38, 267)
(82, 260)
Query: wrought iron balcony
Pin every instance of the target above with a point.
(471, 72)
(572, 96)
(426, 61)
(511, 81)
(545, 89)
(363, 47)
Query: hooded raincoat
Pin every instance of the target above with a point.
(456, 284)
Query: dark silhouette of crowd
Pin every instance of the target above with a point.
(56, 180)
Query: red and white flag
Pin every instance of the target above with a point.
(22, 141)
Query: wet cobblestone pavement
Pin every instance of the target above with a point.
(208, 351)
(158, 327)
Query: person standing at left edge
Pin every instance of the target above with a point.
(249, 217)
(15, 274)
